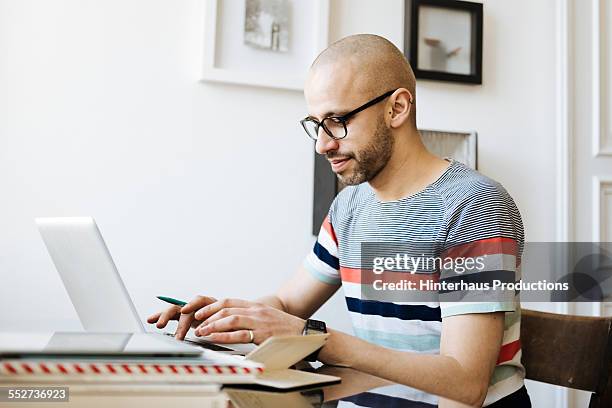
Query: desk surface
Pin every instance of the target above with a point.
(355, 390)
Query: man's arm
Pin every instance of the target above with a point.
(469, 350)
(229, 320)
(301, 296)
(460, 374)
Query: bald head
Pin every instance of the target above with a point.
(369, 64)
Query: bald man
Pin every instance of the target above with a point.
(360, 94)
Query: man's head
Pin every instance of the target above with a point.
(349, 73)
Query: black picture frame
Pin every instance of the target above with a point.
(326, 186)
(411, 40)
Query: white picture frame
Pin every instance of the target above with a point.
(228, 60)
(461, 146)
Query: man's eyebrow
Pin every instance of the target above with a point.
(331, 113)
(335, 113)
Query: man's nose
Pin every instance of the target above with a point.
(325, 143)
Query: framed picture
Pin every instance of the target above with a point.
(269, 43)
(443, 40)
(461, 146)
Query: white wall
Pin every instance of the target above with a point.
(101, 113)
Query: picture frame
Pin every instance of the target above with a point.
(443, 39)
(228, 59)
(461, 146)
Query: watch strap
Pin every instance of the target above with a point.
(314, 327)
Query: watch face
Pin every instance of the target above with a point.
(316, 326)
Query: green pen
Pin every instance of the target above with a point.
(172, 301)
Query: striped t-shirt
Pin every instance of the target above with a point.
(463, 211)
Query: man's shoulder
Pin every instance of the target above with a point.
(478, 207)
(463, 185)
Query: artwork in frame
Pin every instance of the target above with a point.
(443, 39)
(267, 24)
(266, 43)
(461, 146)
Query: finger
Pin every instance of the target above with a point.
(238, 336)
(183, 326)
(169, 314)
(230, 323)
(225, 313)
(207, 311)
(197, 303)
(153, 318)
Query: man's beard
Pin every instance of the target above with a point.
(370, 160)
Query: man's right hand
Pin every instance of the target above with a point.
(184, 315)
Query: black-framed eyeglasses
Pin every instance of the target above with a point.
(335, 126)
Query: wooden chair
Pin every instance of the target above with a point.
(570, 351)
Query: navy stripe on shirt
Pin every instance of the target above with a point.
(370, 399)
(386, 309)
(325, 256)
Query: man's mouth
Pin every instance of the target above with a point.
(339, 164)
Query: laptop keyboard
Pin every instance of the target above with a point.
(203, 344)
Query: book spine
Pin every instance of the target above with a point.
(40, 368)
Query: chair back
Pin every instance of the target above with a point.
(570, 351)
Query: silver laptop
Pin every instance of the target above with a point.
(92, 280)
(88, 343)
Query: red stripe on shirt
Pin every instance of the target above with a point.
(366, 276)
(489, 246)
(508, 351)
(330, 229)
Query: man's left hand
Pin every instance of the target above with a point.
(229, 321)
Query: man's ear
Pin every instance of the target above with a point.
(399, 108)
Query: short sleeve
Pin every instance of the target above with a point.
(483, 247)
(322, 262)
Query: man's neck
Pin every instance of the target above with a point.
(410, 169)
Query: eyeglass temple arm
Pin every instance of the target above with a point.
(355, 111)
(367, 105)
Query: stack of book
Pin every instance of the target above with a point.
(268, 366)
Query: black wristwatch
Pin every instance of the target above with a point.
(314, 327)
